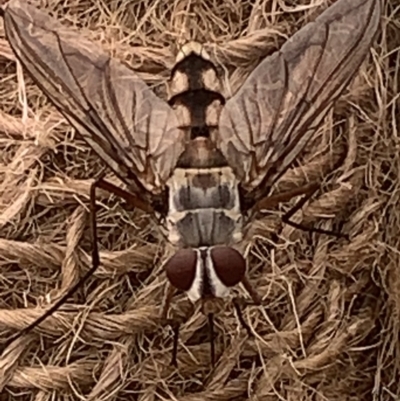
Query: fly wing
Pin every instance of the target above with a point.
(129, 127)
(267, 123)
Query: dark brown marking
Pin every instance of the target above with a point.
(201, 153)
(206, 229)
(197, 101)
(194, 66)
(204, 181)
(196, 97)
(217, 197)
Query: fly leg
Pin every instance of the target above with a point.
(169, 293)
(95, 264)
(175, 323)
(212, 344)
(127, 196)
(307, 195)
(270, 202)
(308, 191)
(240, 303)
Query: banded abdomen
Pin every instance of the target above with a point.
(204, 208)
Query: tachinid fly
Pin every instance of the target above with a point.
(200, 164)
(204, 218)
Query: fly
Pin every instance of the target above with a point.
(200, 164)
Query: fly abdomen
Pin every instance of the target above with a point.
(195, 91)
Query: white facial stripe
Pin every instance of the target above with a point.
(194, 293)
(220, 290)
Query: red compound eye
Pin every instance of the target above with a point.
(181, 269)
(229, 265)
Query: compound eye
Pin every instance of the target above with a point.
(229, 265)
(181, 269)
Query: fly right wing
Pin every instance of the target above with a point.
(267, 123)
(136, 133)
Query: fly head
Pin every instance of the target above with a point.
(207, 272)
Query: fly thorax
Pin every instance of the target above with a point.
(204, 207)
(206, 272)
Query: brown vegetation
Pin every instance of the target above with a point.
(330, 330)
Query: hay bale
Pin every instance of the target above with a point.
(330, 330)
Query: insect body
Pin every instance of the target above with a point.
(204, 212)
(199, 162)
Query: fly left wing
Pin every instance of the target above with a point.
(267, 123)
(129, 127)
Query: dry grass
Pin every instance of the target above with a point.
(331, 328)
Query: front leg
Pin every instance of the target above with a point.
(240, 303)
(175, 322)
